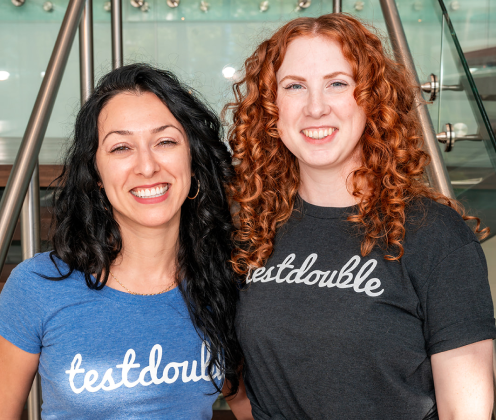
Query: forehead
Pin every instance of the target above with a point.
(314, 54)
(134, 111)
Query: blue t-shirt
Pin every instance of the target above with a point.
(106, 354)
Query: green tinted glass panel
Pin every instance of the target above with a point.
(472, 161)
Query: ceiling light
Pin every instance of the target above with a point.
(228, 72)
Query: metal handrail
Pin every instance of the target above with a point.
(86, 65)
(25, 169)
(116, 29)
(436, 171)
(25, 162)
(31, 244)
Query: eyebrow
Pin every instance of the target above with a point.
(327, 76)
(129, 133)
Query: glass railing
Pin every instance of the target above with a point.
(469, 144)
(455, 104)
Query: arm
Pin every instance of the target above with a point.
(463, 380)
(17, 370)
(239, 403)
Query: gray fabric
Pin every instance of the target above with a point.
(329, 334)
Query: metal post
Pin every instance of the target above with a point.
(117, 48)
(25, 162)
(30, 218)
(31, 244)
(34, 399)
(336, 6)
(436, 171)
(86, 51)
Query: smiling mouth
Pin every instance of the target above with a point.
(320, 133)
(154, 192)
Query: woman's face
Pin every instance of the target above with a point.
(319, 119)
(143, 159)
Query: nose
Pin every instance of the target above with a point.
(317, 105)
(146, 164)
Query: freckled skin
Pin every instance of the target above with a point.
(306, 98)
(127, 161)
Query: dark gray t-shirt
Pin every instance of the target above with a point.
(329, 334)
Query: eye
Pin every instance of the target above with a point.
(167, 142)
(119, 149)
(339, 84)
(294, 86)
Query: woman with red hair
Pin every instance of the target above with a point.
(366, 292)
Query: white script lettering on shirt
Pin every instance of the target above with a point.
(170, 373)
(344, 279)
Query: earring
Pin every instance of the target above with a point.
(196, 195)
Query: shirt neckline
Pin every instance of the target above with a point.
(320, 212)
(124, 297)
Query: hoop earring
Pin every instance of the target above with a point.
(196, 195)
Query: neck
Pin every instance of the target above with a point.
(327, 187)
(148, 260)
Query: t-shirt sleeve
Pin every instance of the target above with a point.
(21, 320)
(456, 300)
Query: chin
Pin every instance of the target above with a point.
(147, 221)
(152, 224)
(323, 162)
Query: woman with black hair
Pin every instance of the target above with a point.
(131, 315)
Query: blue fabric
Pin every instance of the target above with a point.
(106, 354)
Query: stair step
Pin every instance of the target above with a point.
(48, 173)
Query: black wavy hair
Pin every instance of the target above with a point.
(87, 238)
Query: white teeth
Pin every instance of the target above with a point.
(151, 193)
(318, 134)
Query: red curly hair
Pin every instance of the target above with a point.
(267, 174)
